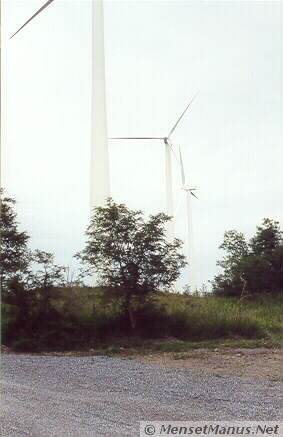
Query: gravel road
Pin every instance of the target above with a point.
(101, 396)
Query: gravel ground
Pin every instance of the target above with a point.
(101, 396)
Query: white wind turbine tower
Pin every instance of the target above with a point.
(189, 191)
(99, 171)
(168, 168)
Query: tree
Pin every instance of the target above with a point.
(17, 262)
(47, 275)
(267, 238)
(256, 265)
(15, 254)
(267, 252)
(31, 295)
(131, 255)
(27, 277)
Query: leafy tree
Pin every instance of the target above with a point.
(45, 274)
(17, 262)
(235, 244)
(14, 254)
(256, 265)
(267, 238)
(27, 277)
(31, 295)
(131, 255)
(236, 248)
(266, 249)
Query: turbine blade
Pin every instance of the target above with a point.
(136, 138)
(182, 115)
(193, 194)
(34, 15)
(182, 168)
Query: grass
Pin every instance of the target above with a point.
(176, 323)
(216, 317)
(184, 346)
(179, 357)
(178, 347)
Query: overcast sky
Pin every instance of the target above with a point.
(158, 54)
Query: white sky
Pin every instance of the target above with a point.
(158, 54)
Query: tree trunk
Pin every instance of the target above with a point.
(132, 317)
(131, 312)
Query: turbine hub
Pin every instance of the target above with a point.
(167, 141)
(187, 188)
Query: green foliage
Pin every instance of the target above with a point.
(45, 273)
(267, 238)
(14, 254)
(251, 267)
(134, 260)
(27, 279)
(8, 319)
(131, 256)
(18, 264)
(83, 319)
(209, 318)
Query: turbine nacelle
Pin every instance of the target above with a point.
(189, 190)
(167, 141)
(185, 186)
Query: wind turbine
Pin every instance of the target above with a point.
(168, 167)
(99, 168)
(189, 191)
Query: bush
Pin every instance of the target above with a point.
(208, 318)
(83, 318)
(251, 267)
(8, 319)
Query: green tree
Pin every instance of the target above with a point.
(131, 255)
(257, 265)
(14, 254)
(27, 277)
(35, 269)
(229, 282)
(45, 273)
(267, 238)
(266, 248)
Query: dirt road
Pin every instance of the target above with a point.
(260, 363)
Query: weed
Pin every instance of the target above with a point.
(83, 318)
(179, 357)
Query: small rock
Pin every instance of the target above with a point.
(5, 349)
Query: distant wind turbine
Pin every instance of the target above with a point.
(189, 191)
(99, 171)
(168, 168)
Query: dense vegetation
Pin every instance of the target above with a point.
(83, 318)
(131, 256)
(251, 267)
(42, 310)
